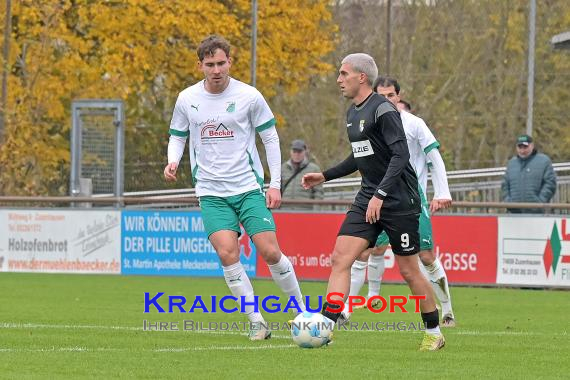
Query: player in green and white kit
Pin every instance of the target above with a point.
(424, 155)
(222, 115)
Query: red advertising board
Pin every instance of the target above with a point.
(466, 246)
(308, 240)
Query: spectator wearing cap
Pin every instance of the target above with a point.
(529, 177)
(292, 172)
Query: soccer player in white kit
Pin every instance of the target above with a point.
(424, 156)
(222, 115)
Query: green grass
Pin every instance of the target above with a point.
(74, 326)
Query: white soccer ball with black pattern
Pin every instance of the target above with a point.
(311, 330)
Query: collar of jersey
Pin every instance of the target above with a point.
(361, 105)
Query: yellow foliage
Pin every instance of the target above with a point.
(141, 51)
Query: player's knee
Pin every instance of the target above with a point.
(427, 257)
(407, 273)
(359, 266)
(340, 260)
(363, 256)
(379, 250)
(228, 255)
(270, 254)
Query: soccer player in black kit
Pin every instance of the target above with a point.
(388, 199)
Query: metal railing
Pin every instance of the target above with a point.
(482, 186)
(470, 194)
(192, 201)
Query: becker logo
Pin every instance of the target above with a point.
(216, 132)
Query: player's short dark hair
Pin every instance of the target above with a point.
(386, 82)
(407, 105)
(210, 44)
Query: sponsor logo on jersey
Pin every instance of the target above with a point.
(349, 125)
(361, 125)
(362, 148)
(212, 133)
(194, 106)
(230, 107)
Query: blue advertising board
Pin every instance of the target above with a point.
(173, 243)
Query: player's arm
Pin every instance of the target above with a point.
(263, 120)
(442, 195)
(430, 146)
(346, 167)
(390, 123)
(270, 140)
(179, 132)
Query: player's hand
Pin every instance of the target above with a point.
(439, 204)
(170, 172)
(273, 198)
(373, 211)
(311, 180)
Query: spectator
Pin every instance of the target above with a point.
(293, 170)
(529, 177)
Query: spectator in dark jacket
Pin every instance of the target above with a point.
(292, 172)
(529, 177)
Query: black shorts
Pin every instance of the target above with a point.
(402, 230)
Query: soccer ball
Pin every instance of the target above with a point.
(311, 330)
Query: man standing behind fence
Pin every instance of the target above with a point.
(292, 172)
(529, 177)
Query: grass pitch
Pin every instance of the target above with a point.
(76, 326)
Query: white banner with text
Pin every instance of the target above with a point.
(60, 241)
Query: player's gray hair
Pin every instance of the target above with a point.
(363, 63)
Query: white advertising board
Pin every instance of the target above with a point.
(534, 251)
(60, 241)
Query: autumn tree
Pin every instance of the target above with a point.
(463, 66)
(143, 52)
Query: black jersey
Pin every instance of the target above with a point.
(380, 153)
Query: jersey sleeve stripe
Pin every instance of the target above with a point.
(266, 125)
(384, 108)
(176, 132)
(195, 170)
(430, 147)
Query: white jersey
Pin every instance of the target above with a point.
(222, 127)
(420, 142)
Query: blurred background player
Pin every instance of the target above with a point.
(404, 106)
(424, 154)
(222, 115)
(388, 199)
